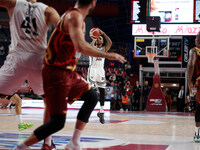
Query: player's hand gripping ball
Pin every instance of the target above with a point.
(95, 33)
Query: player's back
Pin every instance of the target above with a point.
(60, 51)
(28, 27)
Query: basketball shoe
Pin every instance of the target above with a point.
(196, 138)
(71, 146)
(47, 147)
(24, 126)
(101, 117)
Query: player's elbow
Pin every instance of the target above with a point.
(79, 48)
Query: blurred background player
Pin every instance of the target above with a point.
(96, 72)
(62, 84)
(193, 71)
(29, 23)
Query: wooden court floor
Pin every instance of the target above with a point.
(122, 130)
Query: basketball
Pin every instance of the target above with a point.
(95, 33)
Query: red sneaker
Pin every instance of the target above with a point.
(47, 147)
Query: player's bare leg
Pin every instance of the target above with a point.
(18, 102)
(75, 141)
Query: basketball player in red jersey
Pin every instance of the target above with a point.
(62, 84)
(193, 71)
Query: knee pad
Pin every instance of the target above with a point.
(90, 100)
(197, 113)
(55, 124)
(102, 96)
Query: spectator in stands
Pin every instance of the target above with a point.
(127, 67)
(146, 91)
(168, 100)
(107, 78)
(125, 101)
(113, 100)
(120, 87)
(119, 97)
(181, 99)
(129, 89)
(137, 94)
(112, 77)
(119, 77)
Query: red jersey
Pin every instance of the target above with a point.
(60, 51)
(197, 65)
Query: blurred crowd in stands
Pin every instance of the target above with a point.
(123, 95)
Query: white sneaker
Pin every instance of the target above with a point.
(121, 109)
(126, 109)
(71, 146)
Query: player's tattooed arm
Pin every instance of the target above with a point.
(108, 42)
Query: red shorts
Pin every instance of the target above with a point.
(61, 87)
(198, 92)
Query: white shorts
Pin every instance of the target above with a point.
(19, 67)
(96, 77)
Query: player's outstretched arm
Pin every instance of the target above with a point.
(52, 16)
(73, 24)
(115, 56)
(190, 66)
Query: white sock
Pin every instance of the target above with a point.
(102, 109)
(22, 146)
(76, 137)
(197, 130)
(19, 117)
(47, 140)
(9, 105)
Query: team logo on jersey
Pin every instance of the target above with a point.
(98, 59)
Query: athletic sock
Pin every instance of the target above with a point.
(22, 146)
(19, 118)
(8, 105)
(102, 109)
(76, 137)
(197, 130)
(47, 140)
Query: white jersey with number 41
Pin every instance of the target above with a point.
(28, 27)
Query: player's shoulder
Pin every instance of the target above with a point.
(193, 51)
(74, 14)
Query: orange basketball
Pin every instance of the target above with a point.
(95, 33)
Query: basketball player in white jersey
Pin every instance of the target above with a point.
(96, 72)
(29, 23)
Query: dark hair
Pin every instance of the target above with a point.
(84, 2)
